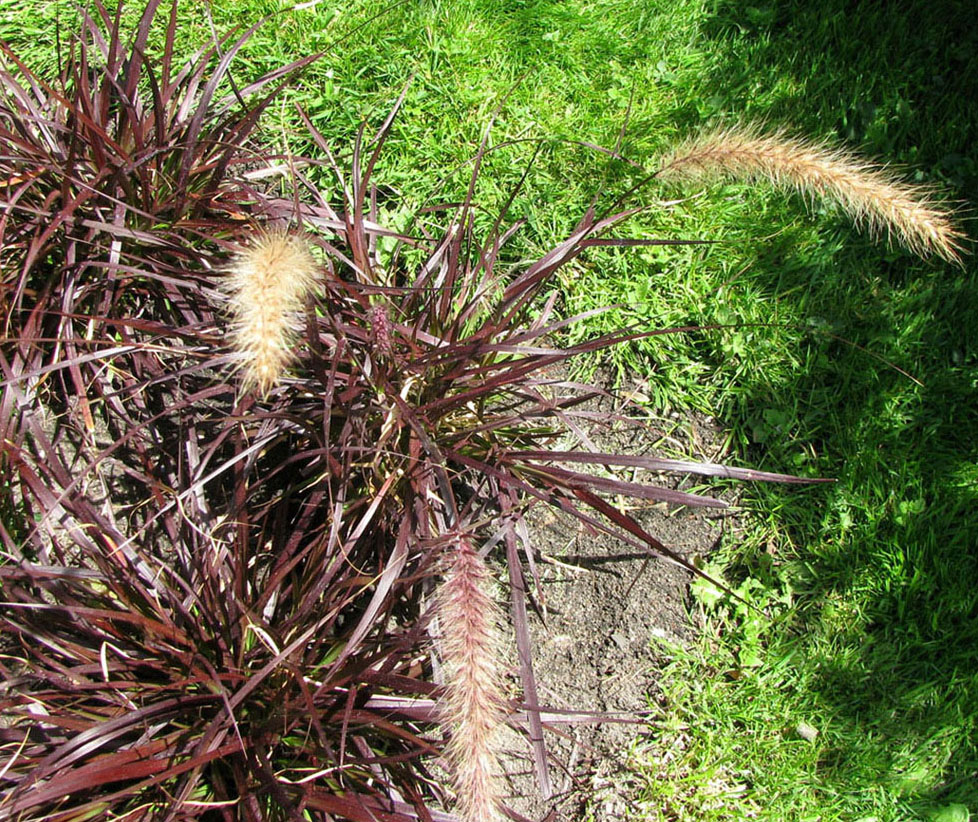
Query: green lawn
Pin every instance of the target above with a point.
(856, 697)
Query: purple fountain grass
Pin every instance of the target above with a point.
(473, 707)
(235, 629)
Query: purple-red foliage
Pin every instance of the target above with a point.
(214, 605)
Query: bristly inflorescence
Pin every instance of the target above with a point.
(380, 326)
(267, 283)
(867, 192)
(472, 708)
(235, 614)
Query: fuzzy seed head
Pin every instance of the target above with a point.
(868, 193)
(473, 707)
(267, 283)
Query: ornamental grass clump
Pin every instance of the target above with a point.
(260, 447)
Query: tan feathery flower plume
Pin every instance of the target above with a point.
(267, 283)
(472, 708)
(868, 193)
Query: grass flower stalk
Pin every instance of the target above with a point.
(267, 283)
(472, 707)
(870, 194)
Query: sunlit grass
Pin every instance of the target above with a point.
(871, 586)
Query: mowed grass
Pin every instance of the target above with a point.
(855, 695)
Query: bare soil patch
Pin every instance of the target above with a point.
(604, 604)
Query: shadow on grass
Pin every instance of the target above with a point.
(898, 79)
(899, 534)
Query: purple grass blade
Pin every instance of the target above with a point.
(659, 464)
(203, 104)
(523, 646)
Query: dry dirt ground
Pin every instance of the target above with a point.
(593, 643)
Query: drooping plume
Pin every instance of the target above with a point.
(472, 709)
(267, 283)
(868, 193)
